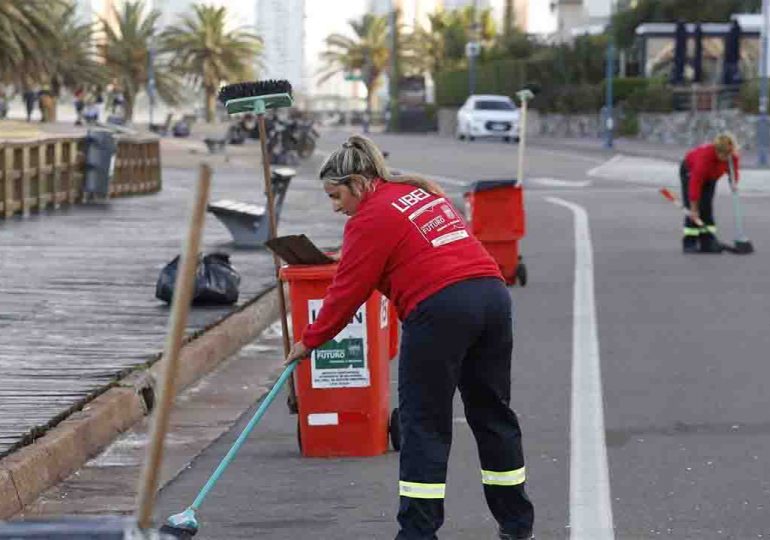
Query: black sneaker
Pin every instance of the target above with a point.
(690, 244)
(506, 536)
(709, 243)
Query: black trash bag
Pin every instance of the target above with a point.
(216, 281)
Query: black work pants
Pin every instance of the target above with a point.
(460, 337)
(705, 204)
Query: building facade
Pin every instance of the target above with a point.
(281, 25)
(578, 17)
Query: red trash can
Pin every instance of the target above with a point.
(394, 329)
(495, 212)
(343, 389)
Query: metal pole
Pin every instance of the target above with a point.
(763, 125)
(394, 120)
(472, 57)
(608, 75)
(151, 79)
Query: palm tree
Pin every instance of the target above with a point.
(442, 44)
(24, 25)
(368, 52)
(202, 50)
(126, 51)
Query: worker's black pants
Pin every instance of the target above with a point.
(460, 337)
(693, 234)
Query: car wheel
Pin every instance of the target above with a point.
(471, 138)
(506, 139)
(516, 139)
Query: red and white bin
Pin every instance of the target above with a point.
(343, 389)
(495, 212)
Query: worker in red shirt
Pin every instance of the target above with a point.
(699, 172)
(405, 239)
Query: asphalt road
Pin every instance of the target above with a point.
(661, 431)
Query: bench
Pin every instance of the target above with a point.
(248, 222)
(215, 145)
(162, 129)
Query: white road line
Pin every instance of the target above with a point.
(590, 503)
(596, 171)
(565, 154)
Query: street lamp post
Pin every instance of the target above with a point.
(393, 124)
(151, 80)
(609, 121)
(763, 126)
(472, 49)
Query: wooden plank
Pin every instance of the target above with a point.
(26, 174)
(57, 174)
(8, 206)
(41, 176)
(72, 190)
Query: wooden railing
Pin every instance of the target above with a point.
(49, 173)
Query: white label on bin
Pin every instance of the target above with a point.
(439, 223)
(323, 419)
(342, 361)
(384, 312)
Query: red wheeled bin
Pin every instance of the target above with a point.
(343, 389)
(495, 212)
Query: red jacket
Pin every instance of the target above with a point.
(404, 242)
(704, 165)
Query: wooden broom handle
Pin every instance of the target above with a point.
(273, 230)
(183, 292)
(292, 402)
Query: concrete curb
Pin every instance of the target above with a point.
(26, 473)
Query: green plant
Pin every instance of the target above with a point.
(749, 97)
(653, 98)
(622, 87)
(629, 124)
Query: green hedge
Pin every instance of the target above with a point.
(749, 97)
(504, 77)
(623, 87)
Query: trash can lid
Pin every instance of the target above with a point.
(308, 272)
(485, 185)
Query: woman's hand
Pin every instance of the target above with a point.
(298, 352)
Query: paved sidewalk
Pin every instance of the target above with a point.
(627, 146)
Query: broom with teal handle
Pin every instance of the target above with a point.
(185, 524)
(743, 245)
(249, 98)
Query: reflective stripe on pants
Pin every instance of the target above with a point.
(503, 478)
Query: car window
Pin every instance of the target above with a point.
(494, 105)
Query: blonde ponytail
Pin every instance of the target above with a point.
(359, 162)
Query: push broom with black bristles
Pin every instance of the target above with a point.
(249, 98)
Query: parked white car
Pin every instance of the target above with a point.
(488, 116)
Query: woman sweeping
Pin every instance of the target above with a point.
(699, 172)
(406, 240)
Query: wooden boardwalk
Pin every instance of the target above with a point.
(77, 303)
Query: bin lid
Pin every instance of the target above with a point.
(486, 185)
(308, 272)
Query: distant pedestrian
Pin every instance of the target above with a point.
(30, 98)
(3, 104)
(47, 104)
(80, 105)
(404, 238)
(699, 172)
